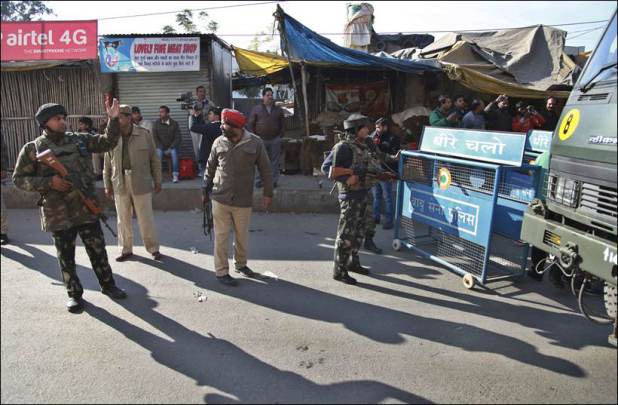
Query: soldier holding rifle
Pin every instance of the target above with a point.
(351, 167)
(57, 165)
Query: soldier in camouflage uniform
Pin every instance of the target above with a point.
(352, 153)
(370, 223)
(62, 210)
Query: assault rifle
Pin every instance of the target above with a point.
(207, 220)
(49, 159)
(335, 172)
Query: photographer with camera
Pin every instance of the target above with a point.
(527, 118)
(166, 134)
(198, 104)
(209, 131)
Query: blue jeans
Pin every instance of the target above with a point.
(174, 154)
(386, 188)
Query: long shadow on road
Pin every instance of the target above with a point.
(371, 321)
(374, 322)
(211, 361)
(224, 366)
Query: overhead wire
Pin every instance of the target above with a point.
(334, 33)
(191, 9)
(585, 33)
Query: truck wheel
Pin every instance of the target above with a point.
(396, 245)
(610, 300)
(468, 281)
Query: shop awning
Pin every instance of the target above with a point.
(304, 45)
(255, 63)
(484, 83)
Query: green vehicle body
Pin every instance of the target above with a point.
(585, 227)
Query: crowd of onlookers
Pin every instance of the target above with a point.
(497, 115)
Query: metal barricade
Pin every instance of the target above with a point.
(465, 214)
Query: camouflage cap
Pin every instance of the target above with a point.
(125, 109)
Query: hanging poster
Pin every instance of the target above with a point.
(165, 54)
(371, 99)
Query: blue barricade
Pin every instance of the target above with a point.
(461, 201)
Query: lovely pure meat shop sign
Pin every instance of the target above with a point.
(49, 40)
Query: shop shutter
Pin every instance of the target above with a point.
(149, 91)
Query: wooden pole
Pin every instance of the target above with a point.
(303, 74)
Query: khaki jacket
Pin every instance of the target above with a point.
(145, 164)
(231, 169)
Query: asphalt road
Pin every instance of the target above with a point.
(408, 333)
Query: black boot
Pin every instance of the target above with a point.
(371, 246)
(75, 304)
(356, 267)
(339, 271)
(345, 278)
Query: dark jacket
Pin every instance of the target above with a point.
(266, 126)
(166, 136)
(551, 120)
(497, 119)
(387, 144)
(210, 132)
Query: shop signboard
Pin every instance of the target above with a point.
(149, 54)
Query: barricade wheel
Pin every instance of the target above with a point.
(468, 281)
(396, 245)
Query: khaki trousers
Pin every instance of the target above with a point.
(4, 221)
(226, 216)
(145, 218)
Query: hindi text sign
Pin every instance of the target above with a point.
(164, 54)
(488, 146)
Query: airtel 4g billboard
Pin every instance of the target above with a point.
(49, 40)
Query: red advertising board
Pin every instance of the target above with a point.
(49, 40)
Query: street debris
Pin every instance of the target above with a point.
(201, 296)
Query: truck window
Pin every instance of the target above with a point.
(605, 55)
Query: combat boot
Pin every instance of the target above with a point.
(356, 267)
(371, 246)
(75, 304)
(114, 292)
(345, 278)
(340, 273)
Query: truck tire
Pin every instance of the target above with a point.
(610, 300)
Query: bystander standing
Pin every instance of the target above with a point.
(166, 133)
(266, 121)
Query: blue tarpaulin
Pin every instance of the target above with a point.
(307, 46)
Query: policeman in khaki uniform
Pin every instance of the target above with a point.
(352, 165)
(62, 209)
(130, 169)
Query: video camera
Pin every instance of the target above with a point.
(188, 102)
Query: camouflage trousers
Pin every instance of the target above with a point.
(94, 242)
(351, 229)
(370, 223)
